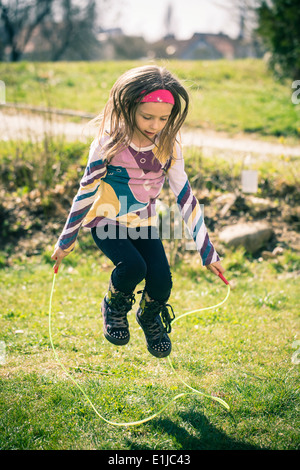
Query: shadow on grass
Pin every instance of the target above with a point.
(205, 436)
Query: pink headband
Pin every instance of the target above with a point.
(158, 96)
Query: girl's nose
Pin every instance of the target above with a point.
(155, 125)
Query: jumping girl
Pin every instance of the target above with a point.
(136, 149)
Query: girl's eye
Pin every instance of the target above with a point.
(148, 118)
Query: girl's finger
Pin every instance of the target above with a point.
(56, 266)
(213, 269)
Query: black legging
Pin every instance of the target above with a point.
(137, 254)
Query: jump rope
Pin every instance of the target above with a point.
(149, 418)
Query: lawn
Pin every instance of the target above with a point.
(244, 352)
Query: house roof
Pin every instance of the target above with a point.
(207, 45)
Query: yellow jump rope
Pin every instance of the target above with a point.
(149, 418)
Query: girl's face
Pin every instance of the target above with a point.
(150, 118)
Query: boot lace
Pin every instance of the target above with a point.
(119, 305)
(167, 318)
(166, 313)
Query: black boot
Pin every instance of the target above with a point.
(155, 320)
(115, 307)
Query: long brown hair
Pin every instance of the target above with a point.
(125, 96)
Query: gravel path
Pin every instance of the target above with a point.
(17, 125)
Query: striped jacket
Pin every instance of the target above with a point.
(125, 190)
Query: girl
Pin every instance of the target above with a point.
(125, 173)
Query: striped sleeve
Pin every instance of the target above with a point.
(82, 202)
(190, 209)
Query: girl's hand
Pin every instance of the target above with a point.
(58, 255)
(216, 268)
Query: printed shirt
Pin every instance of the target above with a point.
(125, 191)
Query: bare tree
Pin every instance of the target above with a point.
(19, 19)
(73, 34)
(243, 13)
(56, 28)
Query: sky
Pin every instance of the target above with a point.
(147, 18)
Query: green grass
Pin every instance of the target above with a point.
(241, 352)
(232, 96)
